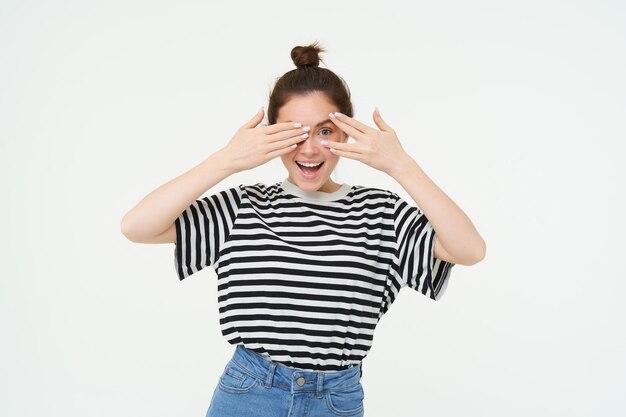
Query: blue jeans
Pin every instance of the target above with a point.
(252, 385)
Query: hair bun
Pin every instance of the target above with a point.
(307, 56)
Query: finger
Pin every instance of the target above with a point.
(353, 122)
(279, 127)
(256, 119)
(283, 150)
(348, 154)
(351, 131)
(344, 147)
(380, 122)
(288, 135)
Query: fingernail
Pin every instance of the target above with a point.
(306, 128)
(261, 109)
(297, 124)
(338, 114)
(331, 115)
(324, 142)
(376, 109)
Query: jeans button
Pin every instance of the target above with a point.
(300, 381)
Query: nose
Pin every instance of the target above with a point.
(310, 145)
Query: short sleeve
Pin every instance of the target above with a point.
(202, 230)
(414, 263)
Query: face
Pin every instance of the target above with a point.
(312, 110)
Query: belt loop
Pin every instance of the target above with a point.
(320, 384)
(270, 375)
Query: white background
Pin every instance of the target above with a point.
(515, 109)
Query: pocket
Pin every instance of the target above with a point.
(346, 402)
(234, 381)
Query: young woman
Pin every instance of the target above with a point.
(306, 267)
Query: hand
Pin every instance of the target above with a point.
(379, 149)
(252, 146)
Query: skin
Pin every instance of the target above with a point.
(457, 240)
(311, 109)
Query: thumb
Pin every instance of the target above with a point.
(256, 119)
(380, 122)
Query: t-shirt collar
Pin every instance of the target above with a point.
(315, 195)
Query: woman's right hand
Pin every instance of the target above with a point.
(252, 146)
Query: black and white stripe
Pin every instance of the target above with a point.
(202, 229)
(304, 279)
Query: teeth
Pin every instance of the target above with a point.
(308, 165)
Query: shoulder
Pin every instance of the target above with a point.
(364, 191)
(259, 191)
(258, 187)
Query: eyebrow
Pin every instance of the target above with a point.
(323, 122)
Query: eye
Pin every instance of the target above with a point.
(328, 130)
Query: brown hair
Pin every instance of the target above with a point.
(307, 78)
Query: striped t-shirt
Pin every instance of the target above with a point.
(303, 277)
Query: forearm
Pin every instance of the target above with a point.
(159, 209)
(455, 231)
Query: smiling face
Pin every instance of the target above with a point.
(312, 110)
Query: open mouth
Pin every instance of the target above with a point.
(309, 172)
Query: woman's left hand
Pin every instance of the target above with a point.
(379, 149)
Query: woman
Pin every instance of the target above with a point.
(306, 267)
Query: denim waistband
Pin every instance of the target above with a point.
(272, 373)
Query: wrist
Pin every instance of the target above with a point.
(218, 163)
(403, 167)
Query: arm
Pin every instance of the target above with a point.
(453, 229)
(381, 149)
(152, 219)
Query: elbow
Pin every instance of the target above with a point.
(471, 256)
(481, 251)
(474, 256)
(126, 229)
